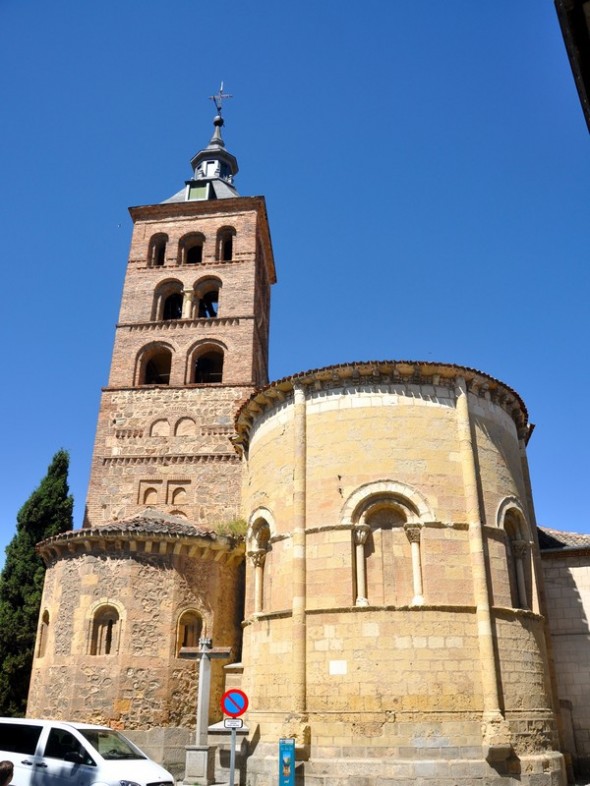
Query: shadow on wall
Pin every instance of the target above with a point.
(566, 570)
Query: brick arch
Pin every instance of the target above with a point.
(185, 427)
(225, 243)
(206, 296)
(163, 290)
(157, 249)
(414, 504)
(197, 350)
(145, 354)
(186, 246)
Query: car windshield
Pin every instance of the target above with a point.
(111, 744)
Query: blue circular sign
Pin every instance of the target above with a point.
(234, 702)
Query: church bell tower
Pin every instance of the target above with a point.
(156, 566)
(191, 344)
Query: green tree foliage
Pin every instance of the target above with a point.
(47, 512)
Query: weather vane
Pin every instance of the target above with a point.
(219, 98)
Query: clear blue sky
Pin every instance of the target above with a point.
(427, 174)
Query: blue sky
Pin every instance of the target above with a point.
(426, 168)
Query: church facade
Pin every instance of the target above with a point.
(361, 536)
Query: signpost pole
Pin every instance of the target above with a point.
(232, 756)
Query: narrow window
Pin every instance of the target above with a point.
(43, 634)
(157, 250)
(105, 631)
(225, 244)
(190, 626)
(209, 367)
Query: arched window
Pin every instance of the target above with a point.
(518, 555)
(207, 298)
(173, 307)
(209, 367)
(155, 366)
(224, 251)
(386, 552)
(43, 634)
(258, 548)
(191, 248)
(157, 250)
(190, 626)
(105, 631)
(168, 300)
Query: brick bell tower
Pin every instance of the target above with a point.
(191, 344)
(155, 566)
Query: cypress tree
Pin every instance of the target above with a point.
(47, 512)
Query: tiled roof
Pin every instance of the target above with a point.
(555, 539)
(148, 522)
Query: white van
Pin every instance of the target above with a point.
(56, 753)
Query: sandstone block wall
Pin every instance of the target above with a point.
(394, 668)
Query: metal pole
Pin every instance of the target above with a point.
(232, 757)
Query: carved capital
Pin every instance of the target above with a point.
(361, 533)
(257, 557)
(519, 548)
(413, 532)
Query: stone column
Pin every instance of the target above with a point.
(258, 558)
(413, 533)
(361, 533)
(495, 730)
(187, 303)
(299, 567)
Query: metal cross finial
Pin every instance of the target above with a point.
(219, 97)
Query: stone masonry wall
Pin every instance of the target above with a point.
(140, 458)
(142, 683)
(567, 586)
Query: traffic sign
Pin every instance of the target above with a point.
(234, 702)
(233, 723)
